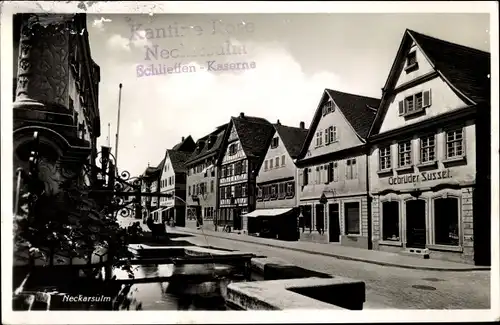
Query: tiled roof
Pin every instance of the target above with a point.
(206, 151)
(254, 133)
(293, 138)
(356, 110)
(465, 68)
(178, 159)
(185, 145)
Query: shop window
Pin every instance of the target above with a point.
(446, 221)
(390, 221)
(352, 218)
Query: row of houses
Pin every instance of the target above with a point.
(399, 173)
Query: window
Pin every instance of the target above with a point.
(244, 191)
(411, 60)
(306, 176)
(404, 149)
(427, 149)
(265, 165)
(273, 190)
(331, 135)
(390, 221)
(319, 138)
(189, 190)
(271, 163)
(327, 108)
(244, 167)
(385, 158)
(281, 190)
(415, 103)
(266, 191)
(233, 148)
(283, 160)
(351, 211)
(259, 193)
(446, 221)
(318, 175)
(454, 144)
(351, 171)
(222, 192)
(332, 172)
(230, 170)
(290, 188)
(212, 186)
(274, 143)
(237, 168)
(277, 162)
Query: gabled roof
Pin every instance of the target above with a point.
(254, 133)
(187, 144)
(178, 159)
(466, 70)
(206, 150)
(358, 110)
(293, 138)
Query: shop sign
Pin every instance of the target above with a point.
(420, 177)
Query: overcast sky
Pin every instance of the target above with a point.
(296, 56)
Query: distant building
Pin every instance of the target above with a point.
(242, 153)
(277, 213)
(173, 181)
(149, 184)
(429, 180)
(333, 177)
(202, 180)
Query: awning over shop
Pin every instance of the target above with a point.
(267, 212)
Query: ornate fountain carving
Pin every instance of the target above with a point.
(43, 68)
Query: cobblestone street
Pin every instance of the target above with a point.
(386, 287)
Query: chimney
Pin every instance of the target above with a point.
(302, 125)
(242, 114)
(278, 122)
(182, 139)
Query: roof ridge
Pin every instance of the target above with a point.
(351, 94)
(465, 47)
(290, 127)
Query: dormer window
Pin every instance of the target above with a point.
(411, 62)
(275, 143)
(328, 108)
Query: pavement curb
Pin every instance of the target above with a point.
(343, 257)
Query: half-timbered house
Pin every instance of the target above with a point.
(245, 143)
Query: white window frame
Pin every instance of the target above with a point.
(385, 159)
(344, 218)
(455, 141)
(423, 146)
(405, 152)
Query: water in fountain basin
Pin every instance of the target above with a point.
(161, 295)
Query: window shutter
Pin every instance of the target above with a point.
(401, 107)
(301, 177)
(427, 98)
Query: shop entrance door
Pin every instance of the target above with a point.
(415, 224)
(333, 223)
